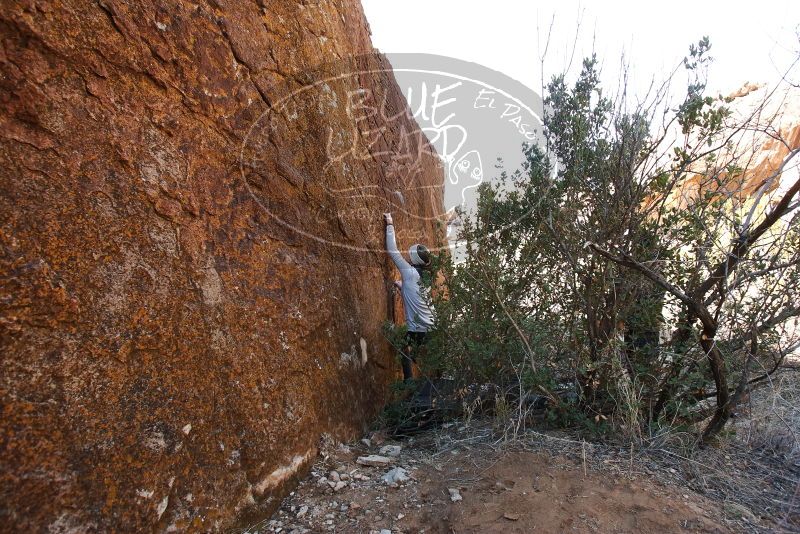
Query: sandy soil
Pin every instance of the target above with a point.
(502, 487)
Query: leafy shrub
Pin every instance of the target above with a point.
(636, 276)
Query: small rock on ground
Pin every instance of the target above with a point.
(396, 476)
(374, 460)
(391, 450)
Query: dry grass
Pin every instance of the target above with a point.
(772, 415)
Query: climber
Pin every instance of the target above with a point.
(416, 304)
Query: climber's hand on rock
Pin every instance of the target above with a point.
(387, 218)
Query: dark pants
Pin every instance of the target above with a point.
(414, 341)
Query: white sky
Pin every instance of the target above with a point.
(750, 41)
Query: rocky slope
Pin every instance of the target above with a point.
(191, 280)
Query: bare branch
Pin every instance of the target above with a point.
(627, 261)
(744, 242)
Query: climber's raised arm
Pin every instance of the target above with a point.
(391, 245)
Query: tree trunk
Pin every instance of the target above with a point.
(717, 365)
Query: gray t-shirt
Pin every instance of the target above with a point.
(416, 303)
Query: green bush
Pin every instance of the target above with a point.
(582, 278)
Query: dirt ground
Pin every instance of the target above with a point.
(503, 487)
(556, 482)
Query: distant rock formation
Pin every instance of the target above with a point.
(189, 297)
(749, 164)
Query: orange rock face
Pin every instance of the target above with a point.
(191, 277)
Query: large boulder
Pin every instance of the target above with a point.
(192, 284)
